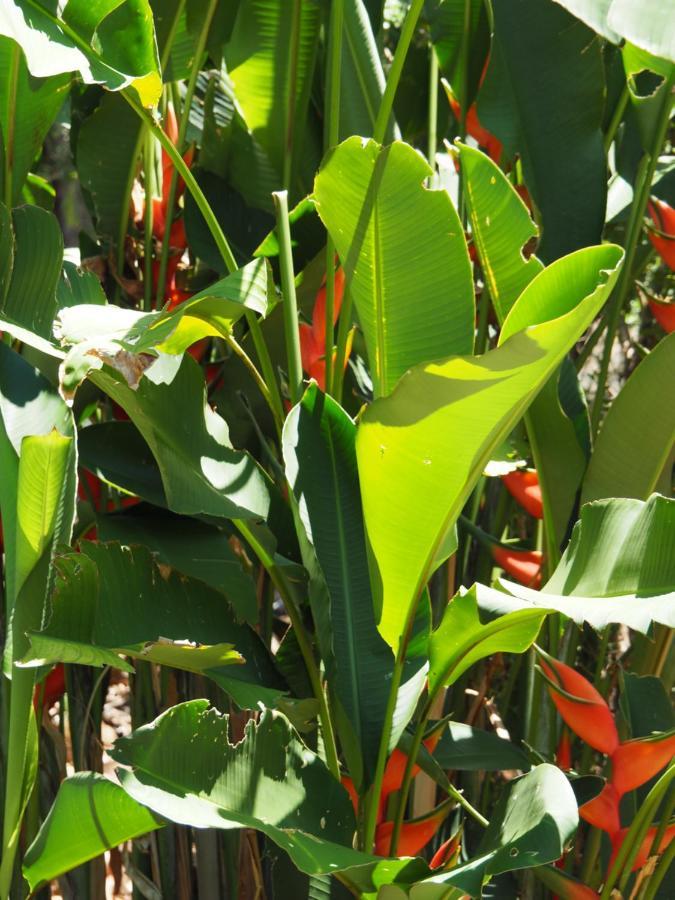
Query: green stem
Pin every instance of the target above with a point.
(615, 121)
(590, 854)
(266, 364)
(182, 131)
(344, 327)
(291, 331)
(372, 804)
(660, 872)
(394, 76)
(332, 137)
(432, 141)
(285, 590)
(20, 711)
(591, 341)
(149, 172)
(643, 187)
(625, 858)
(257, 377)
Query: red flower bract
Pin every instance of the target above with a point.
(523, 485)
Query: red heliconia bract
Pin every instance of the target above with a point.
(603, 811)
(563, 753)
(664, 313)
(313, 337)
(446, 853)
(414, 835)
(589, 717)
(483, 137)
(523, 485)
(663, 217)
(635, 762)
(53, 689)
(523, 565)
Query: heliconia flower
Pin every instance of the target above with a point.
(523, 565)
(664, 313)
(603, 811)
(563, 755)
(313, 337)
(580, 705)
(663, 217)
(635, 762)
(160, 205)
(645, 847)
(415, 834)
(482, 136)
(54, 688)
(447, 853)
(523, 485)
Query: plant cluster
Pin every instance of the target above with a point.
(336, 448)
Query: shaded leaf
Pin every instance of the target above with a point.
(464, 748)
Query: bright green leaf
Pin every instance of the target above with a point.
(375, 206)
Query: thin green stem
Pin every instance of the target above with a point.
(286, 592)
(149, 185)
(344, 327)
(372, 804)
(643, 185)
(291, 330)
(266, 364)
(20, 711)
(332, 136)
(394, 76)
(620, 871)
(615, 121)
(591, 341)
(182, 131)
(432, 135)
(236, 347)
(590, 854)
(660, 872)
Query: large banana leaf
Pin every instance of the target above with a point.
(502, 230)
(272, 70)
(91, 814)
(201, 473)
(649, 24)
(618, 567)
(637, 434)
(320, 455)
(28, 106)
(31, 299)
(106, 43)
(421, 450)
(110, 600)
(539, 52)
(269, 781)
(412, 307)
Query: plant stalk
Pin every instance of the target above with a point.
(432, 138)
(149, 168)
(394, 76)
(291, 331)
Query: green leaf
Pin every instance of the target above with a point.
(201, 473)
(110, 599)
(90, 814)
(466, 749)
(421, 450)
(192, 547)
(618, 567)
(637, 434)
(535, 817)
(373, 203)
(502, 228)
(109, 43)
(649, 24)
(262, 57)
(210, 313)
(540, 51)
(320, 456)
(461, 638)
(646, 705)
(28, 106)
(31, 300)
(269, 781)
